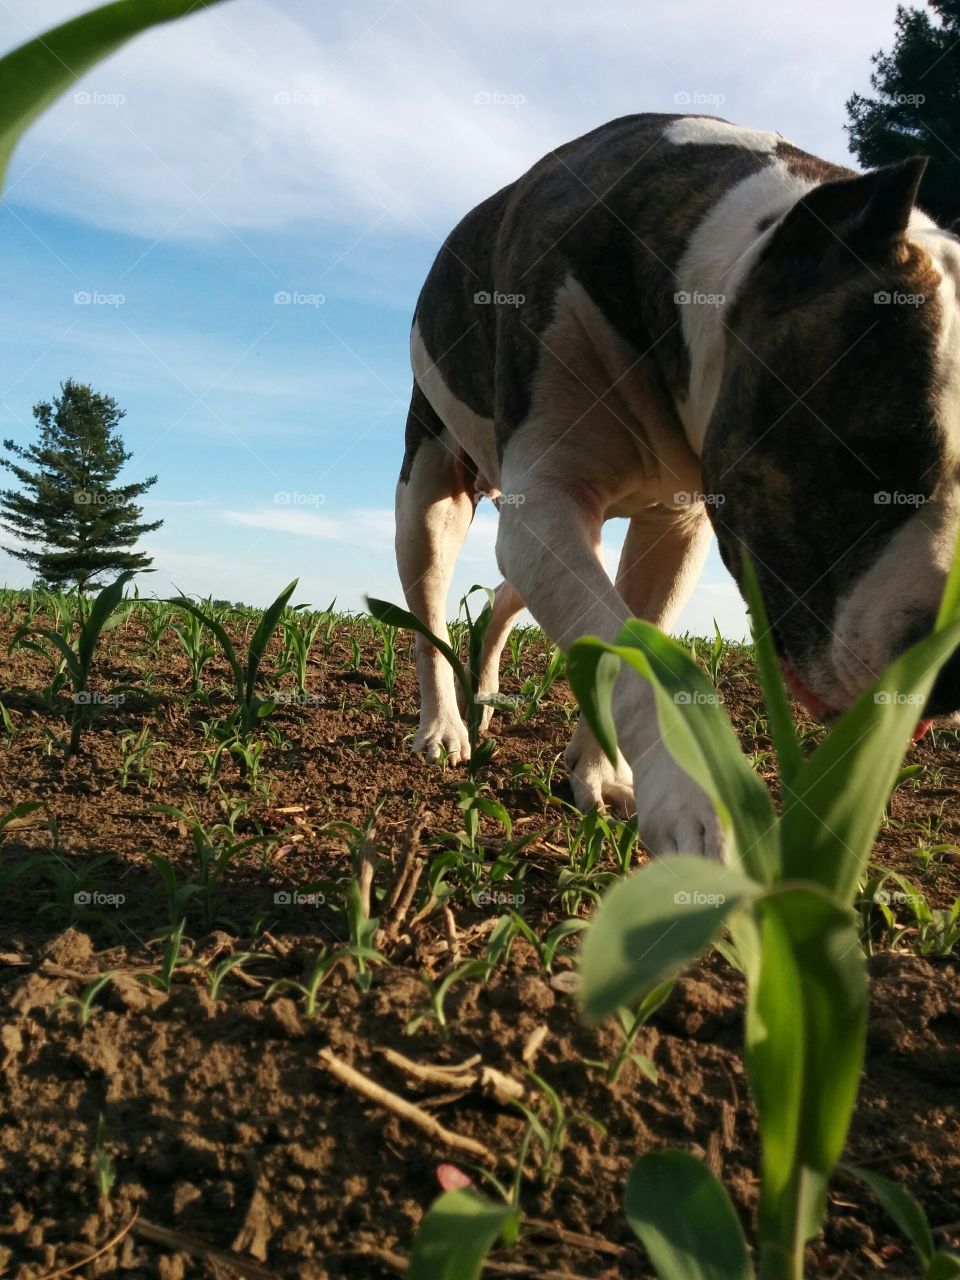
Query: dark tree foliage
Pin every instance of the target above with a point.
(75, 524)
(917, 107)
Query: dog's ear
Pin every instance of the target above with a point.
(860, 213)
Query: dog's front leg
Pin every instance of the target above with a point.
(549, 548)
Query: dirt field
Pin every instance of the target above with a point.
(200, 1089)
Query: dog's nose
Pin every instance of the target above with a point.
(945, 697)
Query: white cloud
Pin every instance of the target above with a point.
(377, 121)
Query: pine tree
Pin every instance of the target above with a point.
(76, 522)
(915, 112)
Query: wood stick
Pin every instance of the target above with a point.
(111, 1243)
(375, 1093)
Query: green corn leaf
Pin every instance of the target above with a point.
(456, 1235)
(685, 1219)
(394, 616)
(902, 1208)
(34, 75)
(66, 651)
(592, 669)
(652, 924)
(226, 644)
(107, 600)
(694, 727)
(477, 629)
(782, 728)
(838, 798)
(261, 637)
(943, 1266)
(805, 1036)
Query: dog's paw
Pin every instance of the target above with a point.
(594, 780)
(674, 815)
(442, 736)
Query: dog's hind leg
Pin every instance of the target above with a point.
(434, 508)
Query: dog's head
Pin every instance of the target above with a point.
(833, 452)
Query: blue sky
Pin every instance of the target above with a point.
(322, 152)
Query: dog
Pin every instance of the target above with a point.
(700, 327)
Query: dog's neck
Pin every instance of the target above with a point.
(716, 262)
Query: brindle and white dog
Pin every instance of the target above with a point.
(688, 323)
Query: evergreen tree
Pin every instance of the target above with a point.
(916, 108)
(76, 522)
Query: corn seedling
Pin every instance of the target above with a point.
(466, 675)
(551, 1135)
(199, 651)
(631, 1023)
(104, 1170)
(535, 688)
(588, 836)
(215, 848)
(909, 1217)
(300, 631)
(84, 1003)
(233, 731)
(498, 949)
(786, 898)
(713, 659)
(77, 658)
(387, 657)
(518, 642)
(172, 960)
(135, 751)
(309, 989)
(216, 975)
(548, 949)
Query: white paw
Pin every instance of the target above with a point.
(442, 735)
(594, 780)
(674, 815)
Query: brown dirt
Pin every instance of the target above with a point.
(238, 1152)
